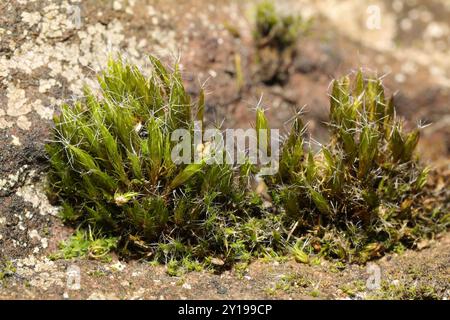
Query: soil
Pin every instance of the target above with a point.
(49, 48)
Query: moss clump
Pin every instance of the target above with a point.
(276, 30)
(275, 37)
(360, 195)
(7, 269)
(112, 171)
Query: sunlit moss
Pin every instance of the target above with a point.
(112, 170)
(112, 173)
(359, 195)
(277, 30)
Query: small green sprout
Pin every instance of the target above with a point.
(274, 29)
(275, 36)
(7, 269)
(360, 191)
(86, 244)
(300, 255)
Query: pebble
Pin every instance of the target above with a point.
(15, 141)
(222, 290)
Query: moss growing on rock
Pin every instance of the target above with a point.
(112, 170)
(276, 36)
(360, 195)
